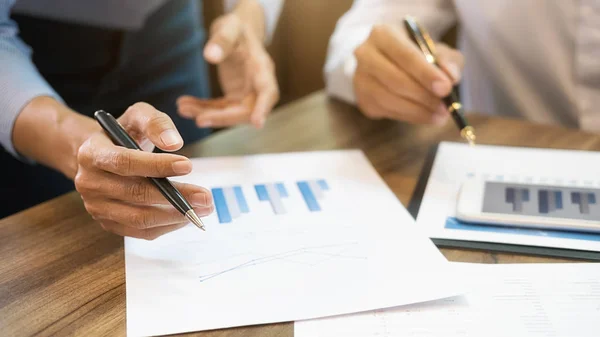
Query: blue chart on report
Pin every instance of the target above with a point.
(233, 202)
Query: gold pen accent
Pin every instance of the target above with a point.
(455, 107)
(468, 133)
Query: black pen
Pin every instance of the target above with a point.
(423, 40)
(120, 137)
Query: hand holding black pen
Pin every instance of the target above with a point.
(393, 79)
(423, 40)
(120, 137)
(118, 184)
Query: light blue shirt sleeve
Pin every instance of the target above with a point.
(20, 81)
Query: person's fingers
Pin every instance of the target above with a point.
(451, 60)
(267, 91)
(212, 103)
(99, 153)
(219, 112)
(225, 34)
(400, 108)
(394, 43)
(138, 216)
(191, 109)
(364, 98)
(143, 120)
(215, 112)
(146, 144)
(371, 108)
(138, 190)
(370, 60)
(146, 234)
(395, 107)
(218, 118)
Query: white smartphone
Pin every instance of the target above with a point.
(531, 206)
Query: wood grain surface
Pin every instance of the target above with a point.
(62, 275)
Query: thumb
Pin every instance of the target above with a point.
(225, 34)
(452, 61)
(142, 120)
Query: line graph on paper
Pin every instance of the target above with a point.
(308, 256)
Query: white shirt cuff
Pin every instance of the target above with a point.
(340, 82)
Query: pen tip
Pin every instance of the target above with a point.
(195, 219)
(468, 133)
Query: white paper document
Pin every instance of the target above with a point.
(456, 163)
(557, 300)
(294, 236)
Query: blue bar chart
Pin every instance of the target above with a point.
(230, 203)
(516, 197)
(549, 201)
(312, 191)
(584, 200)
(274, 194)
(566, 202)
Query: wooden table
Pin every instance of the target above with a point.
(62, 275)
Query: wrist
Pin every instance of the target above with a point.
(51, 134)
(75, 130)
(252, 15)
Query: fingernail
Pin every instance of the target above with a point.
(214, 52)
(440, 88)
(199, 199)
(182, 167)
(170, 138)
(440, 116)
(454, 71)
(204, 124)
(185, 113)
(182, 99)
(147, 145)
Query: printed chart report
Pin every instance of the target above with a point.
(549, 183)
(293, 236)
